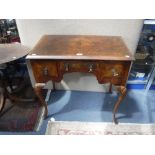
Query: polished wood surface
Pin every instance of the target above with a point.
(11, 52)
(106, 57)
(81, 47)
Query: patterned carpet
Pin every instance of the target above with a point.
(21, 117)
(26, 116)
(94, 128)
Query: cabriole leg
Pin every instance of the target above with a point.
(123, 91)
(53, 86)
(38, 91)
(110, 88)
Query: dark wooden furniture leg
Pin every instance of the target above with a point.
(123, 91)
(53, 86)
(110, 88)
(2, 102)
(38, 91)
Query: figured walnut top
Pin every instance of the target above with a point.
(81, 47)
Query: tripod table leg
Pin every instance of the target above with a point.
(2, 102)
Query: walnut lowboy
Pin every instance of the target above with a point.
(51, 66)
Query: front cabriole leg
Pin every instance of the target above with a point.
(38, 88)
(122, 90)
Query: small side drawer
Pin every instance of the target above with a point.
(109, 69)
(44, 70)
(116, 71)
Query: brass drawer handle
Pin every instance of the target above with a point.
(114, 72)
(66, 67)
(91, 67)
(45, 71)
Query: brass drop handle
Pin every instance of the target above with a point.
(45, 71)
(114, 72)
(66, 67)
(91, 67)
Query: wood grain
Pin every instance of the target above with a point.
(81, 47)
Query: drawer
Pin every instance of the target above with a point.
(113, 71)
(78, 66)
(44, 70)
(109, 69)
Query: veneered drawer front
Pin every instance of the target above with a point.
(44, 70)
(114, 71)
(109, 69)
(78, 66)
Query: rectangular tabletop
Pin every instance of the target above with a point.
(83, 47)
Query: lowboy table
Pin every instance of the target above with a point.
(107, 57)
